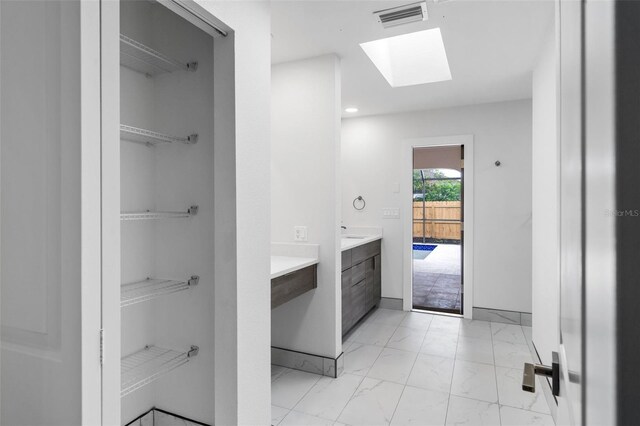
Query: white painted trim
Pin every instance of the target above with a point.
(198, 16)
(406, 184)
(90, 239)
(110, 209)
(601, 139)
(0, 209)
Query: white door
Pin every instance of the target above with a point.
(587, 37)
(571, 213)
(50, 367)
(589, 42)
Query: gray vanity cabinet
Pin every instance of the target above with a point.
(377, 279)
(361, 283)
(369, 283)
(346, 300)
(293, 284)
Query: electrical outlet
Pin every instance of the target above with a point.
(299, 233)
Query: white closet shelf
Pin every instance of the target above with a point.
(151, 288)
(143, 59)
(151, 215)
(148, 137)
(143, 367)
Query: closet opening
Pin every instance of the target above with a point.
(167, 212)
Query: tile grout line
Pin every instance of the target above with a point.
(410, 371)
(350, 398)
(453, 372)
(405, 384)
(305, 394)
(383, 348)
(495, 373)
(369, 369)
(397, 403)
(500, 404)
(272, 404)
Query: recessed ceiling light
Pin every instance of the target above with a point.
(351, 109)
(409, 59)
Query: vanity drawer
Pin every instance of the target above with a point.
(369, 283)
(346, 259)
(346, 281)
(358, 301)
(292, 285)
(358, 273)
(365, 252)
(346, 303)
(377, 279)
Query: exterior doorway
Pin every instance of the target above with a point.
(437, 229)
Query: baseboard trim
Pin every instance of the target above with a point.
(317, 364)
(391, 303)
(499, 315)
(149, 418)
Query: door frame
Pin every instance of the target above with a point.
(407, 215)
(610, 186)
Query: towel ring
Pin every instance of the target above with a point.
(359, 198)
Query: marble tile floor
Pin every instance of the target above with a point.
(411, 368)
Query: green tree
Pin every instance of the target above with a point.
(436, 190)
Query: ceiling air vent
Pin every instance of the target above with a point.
(401, 15)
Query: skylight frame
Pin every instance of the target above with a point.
(410, 59)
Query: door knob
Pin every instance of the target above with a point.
(531, 370)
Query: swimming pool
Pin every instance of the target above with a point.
(421, 251)
(424, 247)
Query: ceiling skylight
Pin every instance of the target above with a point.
(409, 59)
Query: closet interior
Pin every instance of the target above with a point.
(167, 218)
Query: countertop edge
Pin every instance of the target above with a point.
(361, 242)
(304, 263)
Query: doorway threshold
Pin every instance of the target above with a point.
(444, 314)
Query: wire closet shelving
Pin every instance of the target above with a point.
(149, 364)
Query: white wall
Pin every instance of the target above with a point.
(545, 203)
(371, 160)
(305, 191)
(243, 293)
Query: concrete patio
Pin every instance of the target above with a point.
(437, 280)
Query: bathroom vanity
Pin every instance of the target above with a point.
(293, 284)
(361, 278)
(294, 271)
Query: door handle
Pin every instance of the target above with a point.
(531, 370)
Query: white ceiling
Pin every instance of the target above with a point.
(491, 47)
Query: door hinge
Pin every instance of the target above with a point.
(101, 346)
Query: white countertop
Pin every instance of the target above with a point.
(282, 265)
(359, 240)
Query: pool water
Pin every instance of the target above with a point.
(421, 251)
(424, 247)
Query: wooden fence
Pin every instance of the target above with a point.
(438, 220)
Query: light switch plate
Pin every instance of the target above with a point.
(299, 233)
(391, 213)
